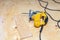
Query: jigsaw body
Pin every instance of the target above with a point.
(39, 18)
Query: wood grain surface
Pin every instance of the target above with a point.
(11, 29)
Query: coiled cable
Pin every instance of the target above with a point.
(47, 7)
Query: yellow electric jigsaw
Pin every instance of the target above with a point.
(39, 18)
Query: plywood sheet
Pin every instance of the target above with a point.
(11, 8)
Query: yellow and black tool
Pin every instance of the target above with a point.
(39, 18)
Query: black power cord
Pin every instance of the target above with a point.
(47, 7)
(48, 14)
(56, 1)
(40, 32)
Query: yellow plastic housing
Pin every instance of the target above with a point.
(38, 21)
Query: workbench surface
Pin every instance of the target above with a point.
(10, 10)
